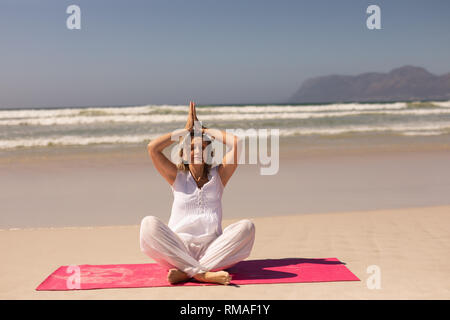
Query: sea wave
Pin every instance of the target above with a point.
(174, 118)
(444, 104)
(96, 112)
(138, 124)
(224, 109)
(404, 129)
(407, 129)
(74, 141)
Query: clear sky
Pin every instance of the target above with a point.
(215, 52)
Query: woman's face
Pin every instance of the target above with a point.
(197, 147)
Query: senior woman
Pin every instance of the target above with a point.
(193, 244)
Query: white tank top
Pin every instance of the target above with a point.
(197, 212)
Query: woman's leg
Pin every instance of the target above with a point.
(232, 246)
(164, 246)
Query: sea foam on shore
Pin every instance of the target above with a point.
(25, 128)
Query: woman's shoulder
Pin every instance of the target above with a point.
(217, 175)
(215, 171)
(180, 178)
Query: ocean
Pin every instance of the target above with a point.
(40, 127)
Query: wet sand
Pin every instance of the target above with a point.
(105, 186)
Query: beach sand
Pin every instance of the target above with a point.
(410, 246)
(366, 204)
(103, 186)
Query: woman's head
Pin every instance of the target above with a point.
(199, 152)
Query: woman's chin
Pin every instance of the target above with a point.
(194, 161)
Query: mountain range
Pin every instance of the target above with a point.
(407, 83)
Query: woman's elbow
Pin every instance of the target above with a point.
(151, 148)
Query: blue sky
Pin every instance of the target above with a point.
(214, 52)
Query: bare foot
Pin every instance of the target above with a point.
(220, 277)
(175, 276)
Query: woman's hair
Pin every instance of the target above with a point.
(183, 165)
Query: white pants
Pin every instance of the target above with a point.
(164, 246)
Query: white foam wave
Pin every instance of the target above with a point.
(405, 129)
(66, 112)
(98, 111)
(174, 118)
(410, 129)
(422, 133)
(74, 141)
(307, 108)
(444, 104)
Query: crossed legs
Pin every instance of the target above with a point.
(164, 246)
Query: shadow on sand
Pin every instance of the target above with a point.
(257, 269)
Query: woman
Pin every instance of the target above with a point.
(193, 244)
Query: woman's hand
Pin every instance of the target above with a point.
(196, 119)
(194, 114)
(190, 120)
(192, 117)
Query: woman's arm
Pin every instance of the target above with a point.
(164, 166)
(230, 160)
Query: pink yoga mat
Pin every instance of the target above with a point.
(288, 270)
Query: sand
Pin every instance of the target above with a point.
(410, 246)
(370, 204)
(103, 186)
